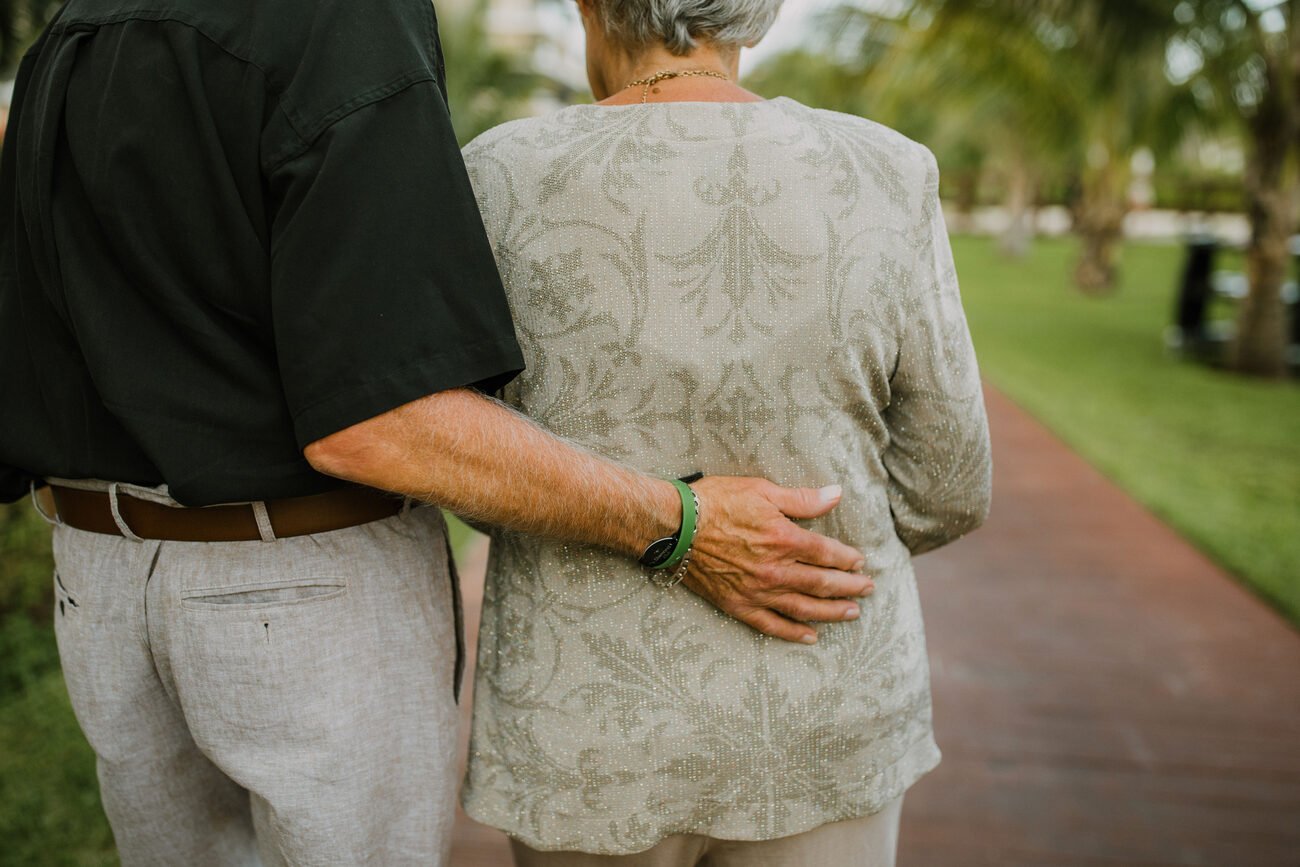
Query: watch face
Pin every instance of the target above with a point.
(658, 552)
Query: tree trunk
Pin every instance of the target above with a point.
(1100, 230)
(1099, 220)
(967, 197)
(1018, 235)
(1260, 345)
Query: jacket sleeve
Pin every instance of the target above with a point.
(938, 460)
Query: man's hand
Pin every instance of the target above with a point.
(480, 459)
(754, 563)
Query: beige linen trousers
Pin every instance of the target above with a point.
(273, 703)
(867, 842)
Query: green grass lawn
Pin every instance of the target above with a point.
(1216, 456)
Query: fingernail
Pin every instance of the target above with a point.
(853, 612)
(859, 566)
(868, 588)
(809, 639)
(830, 493)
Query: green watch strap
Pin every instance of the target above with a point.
(686, 536)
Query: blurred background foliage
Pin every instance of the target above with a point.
(1029, 105)
(487, 84)
(20, 21)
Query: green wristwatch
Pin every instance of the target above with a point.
(668, 552)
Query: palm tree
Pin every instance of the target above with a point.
(1033, 62)
(1245, 60)
(1237, 60)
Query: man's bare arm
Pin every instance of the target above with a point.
(478, 458)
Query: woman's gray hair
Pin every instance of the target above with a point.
(680, 24)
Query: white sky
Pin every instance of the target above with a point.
(790, 28)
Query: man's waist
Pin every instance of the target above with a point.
(150, 513)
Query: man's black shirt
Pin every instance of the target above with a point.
(229, 228)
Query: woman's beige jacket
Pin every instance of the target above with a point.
(757, 289)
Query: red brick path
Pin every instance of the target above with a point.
(1104, 695)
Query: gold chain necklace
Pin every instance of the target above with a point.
(664, 75)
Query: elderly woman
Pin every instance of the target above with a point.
(704, 281)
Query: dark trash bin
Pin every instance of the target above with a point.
(1195, 291)
(1295, 302)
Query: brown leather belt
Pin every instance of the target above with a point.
(301, 516)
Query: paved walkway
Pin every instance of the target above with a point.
(1104, 695)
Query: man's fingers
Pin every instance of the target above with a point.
(770, 623)
(749, 554)
(805, 502)
(808, 580)
(818, 550)
(810, 609)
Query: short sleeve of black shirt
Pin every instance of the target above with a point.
(383, 286)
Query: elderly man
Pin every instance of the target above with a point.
(241, 263)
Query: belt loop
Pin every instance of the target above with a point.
(263, 518)
(117, 514)
(57, 520)
(406, 507)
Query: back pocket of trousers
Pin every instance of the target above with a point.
(268, 593)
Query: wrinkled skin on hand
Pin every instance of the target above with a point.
(754, 563)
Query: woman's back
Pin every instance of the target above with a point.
(740, 289)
